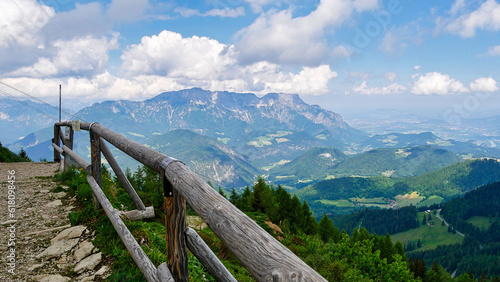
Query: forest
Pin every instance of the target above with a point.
(480, 250)
(380, 221)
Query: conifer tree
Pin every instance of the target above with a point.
(398, 247)
(309, 223)
(221, 192)
(234, 197)
(244, 201)
(258, 193)
(326, 229)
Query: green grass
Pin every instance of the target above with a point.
(338, 203)
(379, 202)
(481, 221)
(430, 237)
(434, 199)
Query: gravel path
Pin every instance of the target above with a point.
(33, 217)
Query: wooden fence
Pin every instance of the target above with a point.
(264, 257)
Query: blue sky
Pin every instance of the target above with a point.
(340, 54)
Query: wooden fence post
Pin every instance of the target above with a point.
(57, 156)
(68, 141)
(175, 223)
(95, 153)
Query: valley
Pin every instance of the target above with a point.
(352, 176)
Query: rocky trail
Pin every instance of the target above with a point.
(37, 240)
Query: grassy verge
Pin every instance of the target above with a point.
(150, 234)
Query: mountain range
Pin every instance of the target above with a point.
(232, 137)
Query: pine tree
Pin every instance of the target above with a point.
(258, 191)
(326, 228)
(417, 267)
(234, 197)
(386, 248)
(424, 220)
(483, 277)
(398, 247)
(24, 155)
(295, 218)
(221, 192)
(434, 274)
(309, 223)
(244, 202)
(471, 276)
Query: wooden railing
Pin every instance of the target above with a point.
(261, 254)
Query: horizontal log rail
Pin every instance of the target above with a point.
(261, 254)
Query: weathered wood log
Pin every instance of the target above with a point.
(141, 259)
(133, 215)
(257, 250)
(68, 136)
(175, 223)
(205, 255)
(79, 160)
(61, 136)
(164, 274)
(55, 140)
(95, 154)
(146, 156)
(57, 148)
(121, 176)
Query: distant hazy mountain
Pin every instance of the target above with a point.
(210, 158)
(268, 129)
(325, 163)
(19, 119)
(398, 140)
(447, 182)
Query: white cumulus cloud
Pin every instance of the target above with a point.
(168, 53)
(484, 84)
(207, 63)
(394, 88)
(78, 56)
(21, 20)
(309, 81)
(435, 83)
(278, 37)
(494, 51)
(486, 17)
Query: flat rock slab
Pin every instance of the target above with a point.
(102, 271)
(84, 251)
(58, 248)
(54, 204)
(51, 278)
(70, 233)
(88, 263)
